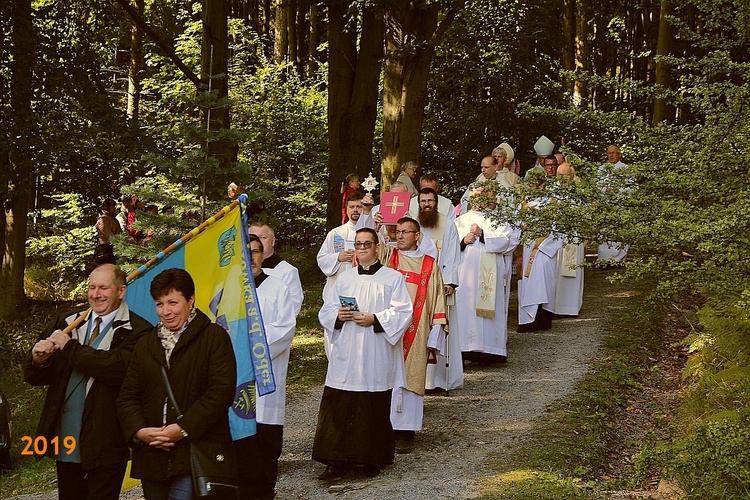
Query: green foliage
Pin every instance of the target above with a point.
(286, 148)
(713, 461)
(709, 456)
(60, 249)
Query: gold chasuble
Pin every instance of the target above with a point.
(425, 285)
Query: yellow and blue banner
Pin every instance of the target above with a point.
(217, 256)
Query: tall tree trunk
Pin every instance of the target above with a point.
(302, 30)
(312, 51)
(583, 52)
(134, 72)
(662, 110)
(353, 78)
(569, 48)
(214, 71)
(291, 27)
(17, 164)
(413, 33)
(281, 40)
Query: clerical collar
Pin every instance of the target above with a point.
(271, 262)
(260, 278)
(372, 269)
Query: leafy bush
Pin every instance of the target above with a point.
(713, 460)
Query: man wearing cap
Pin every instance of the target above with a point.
(503, 173)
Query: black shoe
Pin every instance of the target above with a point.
(333, 472)
(371, 470)
(403, 447)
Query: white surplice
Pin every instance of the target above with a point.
(360, 359)
(477, 333)
(337, 239)
(290, 276)
(279, 322)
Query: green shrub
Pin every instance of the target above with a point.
(713, 460)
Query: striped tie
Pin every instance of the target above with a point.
(95, 331)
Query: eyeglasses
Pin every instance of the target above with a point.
(363, 244)
(404, 231)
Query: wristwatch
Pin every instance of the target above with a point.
(184, 433)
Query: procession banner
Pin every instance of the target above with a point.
(216, 255)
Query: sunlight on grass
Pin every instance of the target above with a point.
(533, 484)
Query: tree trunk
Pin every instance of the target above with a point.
(583, 52)
(281, 46)
(214, 71)
(569, 48)
(134, 72)
(302, 30)
(17, 164)
(312, 51)
(662, 110)
(412, 35)
(353, 79)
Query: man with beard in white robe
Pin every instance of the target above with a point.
(611, 252)
(260, 453)
(483, 323)
(447, 372)
(337, 251)
(536, 288)
(363, 343)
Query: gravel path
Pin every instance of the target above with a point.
(487, 419)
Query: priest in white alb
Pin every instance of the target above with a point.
(536, 287)
(447, 372)
(482, 324)
(425, 335)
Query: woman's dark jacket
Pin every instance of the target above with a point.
(202, 373)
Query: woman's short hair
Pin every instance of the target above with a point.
(172, 279)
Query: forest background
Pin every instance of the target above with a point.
(173, 99)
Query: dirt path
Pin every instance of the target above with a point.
(487, 419)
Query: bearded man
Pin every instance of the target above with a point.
(447, 373)
(337, 251)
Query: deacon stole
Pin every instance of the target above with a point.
(421, 280)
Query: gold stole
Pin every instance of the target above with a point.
(534, 250)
